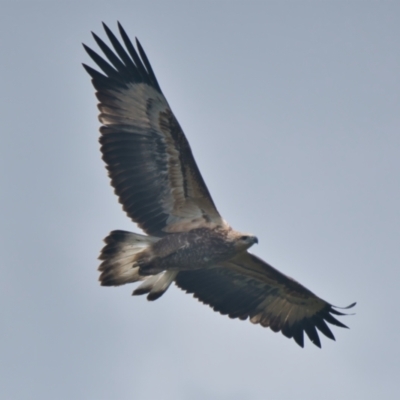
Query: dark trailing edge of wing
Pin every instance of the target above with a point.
(219, 288)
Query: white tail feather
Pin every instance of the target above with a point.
(119, 257)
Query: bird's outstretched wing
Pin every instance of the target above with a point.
(148, 157)
(247, 287)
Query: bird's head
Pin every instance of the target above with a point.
(244, 240)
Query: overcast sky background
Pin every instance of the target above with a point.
(292, 110)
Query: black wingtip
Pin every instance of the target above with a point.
(121, 29)
(323, 327)
(87, 49)
(298, 337)
(335, 312)
(96, 38)
(346, 308)
(107, 29)
(120, 64)
(332, 320)
(92, 72)
(318, 344)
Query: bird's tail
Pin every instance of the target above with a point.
(119, 265)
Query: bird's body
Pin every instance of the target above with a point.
(197, 249)
(156, 178)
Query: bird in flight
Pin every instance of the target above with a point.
(158, 183)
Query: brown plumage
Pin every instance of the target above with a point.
(159, 185)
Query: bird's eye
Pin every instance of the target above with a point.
(244, 237)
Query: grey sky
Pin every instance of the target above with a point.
(292, 112)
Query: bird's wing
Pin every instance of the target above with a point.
(247, 287)
(148, 157)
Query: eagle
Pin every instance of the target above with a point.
(155, 176)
